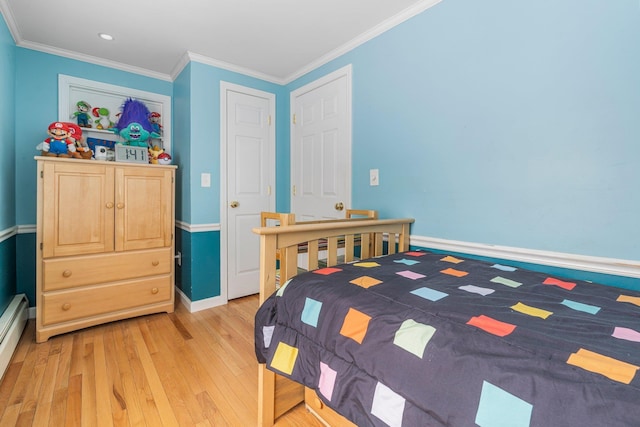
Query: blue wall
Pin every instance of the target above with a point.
(197, 136)
(494, 122)
(37, 106)
(7, 167)
(507, 123)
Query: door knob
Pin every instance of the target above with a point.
(234, 204)
(339, 206)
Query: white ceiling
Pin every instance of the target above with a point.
(277, 40)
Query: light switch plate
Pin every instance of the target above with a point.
(205, 180)
(374, 178)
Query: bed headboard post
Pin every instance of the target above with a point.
(267, 265)
(403, 238)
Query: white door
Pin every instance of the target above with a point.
(249, 138)
(321, 147)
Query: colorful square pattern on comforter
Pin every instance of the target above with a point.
(426, 339)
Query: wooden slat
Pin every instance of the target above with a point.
(332, 251)
(312, 253)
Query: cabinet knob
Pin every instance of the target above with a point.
(109, 205)
(66, 273)
(120, 205)
(66, 306)
(154, 291)
(155, 263)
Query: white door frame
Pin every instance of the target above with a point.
(344, 71)
(224, 87)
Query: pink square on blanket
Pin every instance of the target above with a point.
(327, 380)
(410, 275)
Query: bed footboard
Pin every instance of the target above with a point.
(276, 394)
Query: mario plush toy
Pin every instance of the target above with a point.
(82, 150)
(60, 142)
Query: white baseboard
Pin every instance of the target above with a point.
(199, 305)
(12, 323)
(617, 267)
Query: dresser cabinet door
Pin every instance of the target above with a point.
(77, 209)
(144, 203)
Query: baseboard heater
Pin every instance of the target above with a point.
(12, 323)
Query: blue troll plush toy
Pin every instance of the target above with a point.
(134, 126)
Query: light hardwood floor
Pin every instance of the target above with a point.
(179, 369)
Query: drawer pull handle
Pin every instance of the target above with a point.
(319, 403)
(155, 263)
(66, 273)
(154, 291)
(66, 306)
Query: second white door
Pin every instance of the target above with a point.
(321, 147)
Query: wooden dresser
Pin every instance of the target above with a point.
(105, 243)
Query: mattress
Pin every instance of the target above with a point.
(430, 339)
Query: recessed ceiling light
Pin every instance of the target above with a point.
(105, 36)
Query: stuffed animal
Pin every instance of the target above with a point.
(103, 121)
(154, 119)
(134, 126)
(154, 153)
(82, 114)
(82, 149)
(59, 143)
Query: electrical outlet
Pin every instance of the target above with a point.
(374, 178)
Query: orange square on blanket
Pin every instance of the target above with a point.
(454, 272)
(614, 369)
(355, 325)
(365, 281)
(629, 299)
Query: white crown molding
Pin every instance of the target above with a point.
(8, 233)
(191, 56)
(617, 267)
(93, 60)
(225, 66)
(384, 26)
(180, 65)
(197, 228)
(8, 14)
(6, 11)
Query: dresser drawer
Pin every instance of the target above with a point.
(71, 304)
(69, 272)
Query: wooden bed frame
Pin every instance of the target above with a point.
(286, 219)
(276, 394)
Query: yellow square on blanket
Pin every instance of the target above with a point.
(284, 359)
